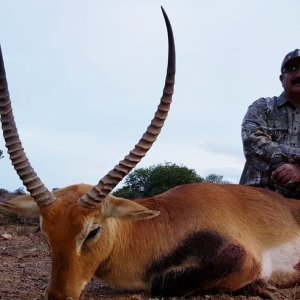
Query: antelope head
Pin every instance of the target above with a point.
(75, 219)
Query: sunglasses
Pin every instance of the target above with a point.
(291, 69)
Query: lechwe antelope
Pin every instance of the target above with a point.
(193, 238)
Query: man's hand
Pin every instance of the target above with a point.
(286, 174)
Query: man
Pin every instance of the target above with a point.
(271, 135)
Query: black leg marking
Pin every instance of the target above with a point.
(202, 260)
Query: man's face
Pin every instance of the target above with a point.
(290, 79)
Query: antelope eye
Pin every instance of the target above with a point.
(92, 234)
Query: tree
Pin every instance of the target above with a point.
(19, 191)
(214, 178)
(147, 182)
(3, 192)
(1, 154)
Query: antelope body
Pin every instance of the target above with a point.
(206, 237)
(193, 238)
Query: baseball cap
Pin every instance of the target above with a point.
(290, 56)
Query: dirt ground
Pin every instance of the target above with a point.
(25, 268)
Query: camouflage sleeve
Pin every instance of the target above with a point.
(260, 149)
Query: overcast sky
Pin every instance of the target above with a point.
(85, 78)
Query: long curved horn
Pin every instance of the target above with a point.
(14, 146)
(94, 198)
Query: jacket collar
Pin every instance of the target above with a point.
(282, 99)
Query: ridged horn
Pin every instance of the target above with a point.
(14, 146)
(94, 198)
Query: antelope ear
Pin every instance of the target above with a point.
(22, 205)
(126, 209)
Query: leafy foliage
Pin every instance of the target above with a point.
(147, 182)
(19, 191)
(156, 179)
(214, 178)
(3, 191)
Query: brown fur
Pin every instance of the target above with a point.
(251, 218)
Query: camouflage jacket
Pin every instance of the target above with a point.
(271, 137)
